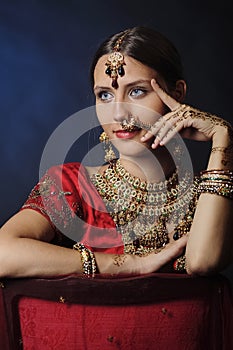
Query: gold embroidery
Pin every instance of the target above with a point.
(50, 200)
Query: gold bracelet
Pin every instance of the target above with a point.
(87, 259)
(221, 188)
(180, 264)
(217, 177)
(224, 177)
(217, 172)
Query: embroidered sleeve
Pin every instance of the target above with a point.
(56, 198)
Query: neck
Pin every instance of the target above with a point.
(154, 167)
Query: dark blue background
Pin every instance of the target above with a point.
(46, 48)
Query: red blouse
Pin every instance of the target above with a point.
(68, 199)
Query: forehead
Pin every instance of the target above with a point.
(134, 70)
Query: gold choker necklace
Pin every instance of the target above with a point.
(142, 210)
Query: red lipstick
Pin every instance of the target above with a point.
(123, 134)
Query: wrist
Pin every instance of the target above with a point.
(223, 137)
(117, 264)
(221, 157)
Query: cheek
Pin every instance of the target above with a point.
(157, 105)
(147, 114)
(150, 109)
(104, 113)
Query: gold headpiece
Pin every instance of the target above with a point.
(115, 63)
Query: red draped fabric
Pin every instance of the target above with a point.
(67, 198)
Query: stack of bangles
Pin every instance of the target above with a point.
(87, 259)
(218, 182)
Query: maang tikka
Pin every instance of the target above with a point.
(115, 62)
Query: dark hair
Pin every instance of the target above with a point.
(150, 48)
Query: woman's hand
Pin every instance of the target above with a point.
(136, 265)
(155, 261)
(190, 122)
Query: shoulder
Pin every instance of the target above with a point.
(64, 168)
(67, 175)
(73, 174)
(66, 171)
(73, 167)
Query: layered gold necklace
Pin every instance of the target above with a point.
(142, 210)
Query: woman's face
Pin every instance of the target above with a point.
(133, 97)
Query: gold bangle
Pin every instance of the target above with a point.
(221, 188)
(87, 259)
(180, 264)
(216, 177)
(217, 172)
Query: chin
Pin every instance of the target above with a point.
(131, 148)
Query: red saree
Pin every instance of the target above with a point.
(67, 198)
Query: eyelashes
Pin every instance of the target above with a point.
(104, 95)
(136, 92)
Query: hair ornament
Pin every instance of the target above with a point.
(115, 62)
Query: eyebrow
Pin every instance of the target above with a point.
(137, 82)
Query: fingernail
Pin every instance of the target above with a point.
(154, 145)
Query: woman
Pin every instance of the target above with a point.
(128, 222)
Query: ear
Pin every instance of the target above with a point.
(180, 91)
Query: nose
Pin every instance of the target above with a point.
(121, 111)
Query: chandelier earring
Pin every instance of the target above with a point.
(109, 153)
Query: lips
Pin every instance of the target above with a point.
(124, 134)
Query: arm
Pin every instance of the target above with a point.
(210, 244)
(210, 247)
(25, 251)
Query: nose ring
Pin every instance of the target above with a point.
(128, 125)
(134, 122)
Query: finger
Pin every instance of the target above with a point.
(166, 137)
(165, 98)
(153, 129)
(167, 129)
(172, 250)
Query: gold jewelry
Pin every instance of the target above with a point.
(134, 122)
(218, 182)
(87, 259)
(180, 264)
(217, 171)
(142, 210)
(109, 153)
(129, 125)
(227, 153)
(184, 111)
(119, 260)
(225, 190)
(115, 62)
(215, 174)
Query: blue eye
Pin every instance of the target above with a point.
(104, 95)
(137, 92)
